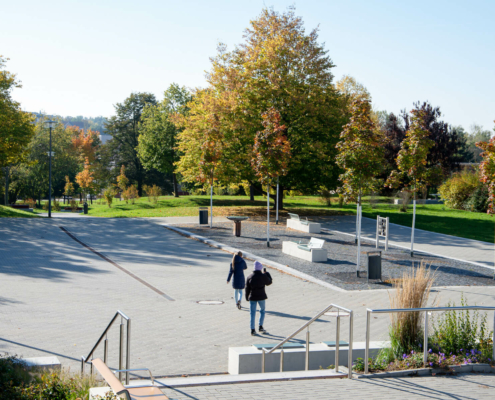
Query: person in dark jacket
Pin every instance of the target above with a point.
(255, 294)
(236, 270)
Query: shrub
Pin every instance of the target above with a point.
(459, 331)
(218, 190)
(478, 201)
(326, 196)
(456, 190)
(413, 291)
(131, 193)
(108, 195)
(146, 189)
(56, 205)
(31, 203)
(154, 192)
(373, 200)
(405, 197)
(341, 200)
(45, 206)
(73, 205)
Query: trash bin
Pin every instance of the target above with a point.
(203, 215)
(374, 265)
(85, 207)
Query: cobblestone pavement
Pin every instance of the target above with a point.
(340, 268)
(56, 296)
(436, 243)
(461, 387)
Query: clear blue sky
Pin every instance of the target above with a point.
(82, 57)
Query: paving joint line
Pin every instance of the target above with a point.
(126, 271)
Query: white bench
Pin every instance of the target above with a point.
(313, 251)
(298, 224)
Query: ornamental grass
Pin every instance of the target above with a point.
(412, 291)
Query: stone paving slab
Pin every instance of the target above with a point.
(56, 296)
(461, 387)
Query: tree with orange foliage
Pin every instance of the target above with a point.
(85, 143)
(85, 178)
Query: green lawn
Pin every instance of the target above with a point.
(436, 218)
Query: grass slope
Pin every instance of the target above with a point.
(8, 212)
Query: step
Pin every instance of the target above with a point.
(226, 379)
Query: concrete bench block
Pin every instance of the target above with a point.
(310, 227)
(315, 255)
(247, 360)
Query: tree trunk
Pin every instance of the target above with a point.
(280, 198)
(6, 200)
(251, 192)
(176, 190)
(39, 198)
(80, 197)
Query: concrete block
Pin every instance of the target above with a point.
(246, 360)
(43, 362)
(315, 255)
(310, 227)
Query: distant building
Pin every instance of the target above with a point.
(104, 137)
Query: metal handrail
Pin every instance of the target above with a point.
(84, 360)
(306, 325)
(425, 333)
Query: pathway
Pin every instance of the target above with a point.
(475, 251)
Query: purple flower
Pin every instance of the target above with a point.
(412, 351)
(461, 350)
(431, 364)
(404, 356)
(473, 351)
(453, 356)
(469, 360)
(465, 362)
(420, 346)
(490, 360)
(429, 351)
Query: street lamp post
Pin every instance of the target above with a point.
(50, 124)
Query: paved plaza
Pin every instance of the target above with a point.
(57, 296)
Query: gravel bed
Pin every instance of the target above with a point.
(340, 268)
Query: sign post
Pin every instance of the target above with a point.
(381, 230)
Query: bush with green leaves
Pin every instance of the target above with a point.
(456, 190)
(478, 201)
(458, 331)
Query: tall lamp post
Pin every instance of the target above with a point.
(50, 124)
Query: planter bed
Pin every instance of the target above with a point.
(21, 206)
(452, 370)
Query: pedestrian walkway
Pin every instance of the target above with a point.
(474, 251)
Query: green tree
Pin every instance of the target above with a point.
(413, 172)
(279, 65)
(124, 129)
(477, 134)
(361, 157)
(158, 139)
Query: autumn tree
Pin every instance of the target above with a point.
(124, 129)
(85, 179)
(271, 154)
(122, 180)
(487, 170)
(69, 187)
(360, 157)
(278, 65)
(85, 143)
(158, 139)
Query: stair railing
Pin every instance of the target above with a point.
(306, 325)
(104, 338)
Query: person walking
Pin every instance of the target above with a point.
(236, 270)
(256, 295)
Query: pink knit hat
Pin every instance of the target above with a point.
(258, 266)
